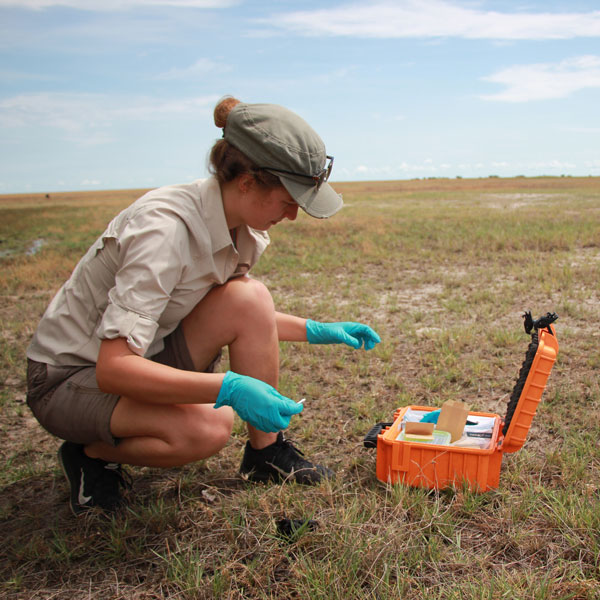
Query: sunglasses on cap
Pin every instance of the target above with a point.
(318, 179)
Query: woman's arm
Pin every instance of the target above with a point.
(290, 328)
(296, 329)
(120, 371)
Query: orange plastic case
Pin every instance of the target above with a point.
(434, 466)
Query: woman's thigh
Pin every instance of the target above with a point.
(76, 410)
(68, 403)
(168, 435)
(239, 314)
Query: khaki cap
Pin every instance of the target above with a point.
(279, 141)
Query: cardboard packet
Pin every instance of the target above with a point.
(453, 418)
(418, 432)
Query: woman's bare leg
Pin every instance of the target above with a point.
(239, 314)
(164, 435)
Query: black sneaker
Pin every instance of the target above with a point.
(93, 482)
(281, 461)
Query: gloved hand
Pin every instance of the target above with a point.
(432, 416)
(353, 334)
(257, 402)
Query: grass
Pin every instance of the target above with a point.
(443, 270)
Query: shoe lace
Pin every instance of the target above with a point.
(107, 487)
(294, 454)
(122, 477)
(286, 442)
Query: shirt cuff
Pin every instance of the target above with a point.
(138, 330)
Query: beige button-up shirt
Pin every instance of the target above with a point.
(156, 260)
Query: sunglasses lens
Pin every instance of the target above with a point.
(325, 173)
(321, 178)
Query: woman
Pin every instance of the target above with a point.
(122, 363)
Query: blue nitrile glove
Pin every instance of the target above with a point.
(257, 402)
(432, 417)
(353, 334)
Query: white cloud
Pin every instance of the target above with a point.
(333, 77)
(594, 130)
(394, 170)
(63, 111)
(11, 75)
(115, 5)
(544, 81)
(199, 68)
(147, 108)
(553, 164)
(436, 18)
(401, 170)
(89, 118)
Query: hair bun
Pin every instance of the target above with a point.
(223, 109)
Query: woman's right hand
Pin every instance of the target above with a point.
(257, 402)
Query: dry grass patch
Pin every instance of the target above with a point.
(444, 277)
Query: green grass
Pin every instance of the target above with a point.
(443, 269)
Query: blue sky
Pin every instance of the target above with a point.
(108, 94)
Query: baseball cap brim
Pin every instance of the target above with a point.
(320, 203)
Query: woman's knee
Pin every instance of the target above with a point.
(239, 306)
(231, 306)
(203, 434)
(249, 295)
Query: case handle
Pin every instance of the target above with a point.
(370, 440)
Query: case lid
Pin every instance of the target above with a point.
(533, 376)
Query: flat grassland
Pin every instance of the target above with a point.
(443, 270)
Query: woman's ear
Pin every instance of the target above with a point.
(245, 182)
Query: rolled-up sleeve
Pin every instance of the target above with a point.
(151, 252)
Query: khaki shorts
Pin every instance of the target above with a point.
(68, 403)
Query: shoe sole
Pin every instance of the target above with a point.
(258, 478)
(283, 478)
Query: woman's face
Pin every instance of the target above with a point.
(266, 207)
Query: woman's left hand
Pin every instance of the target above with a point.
(347, 332)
